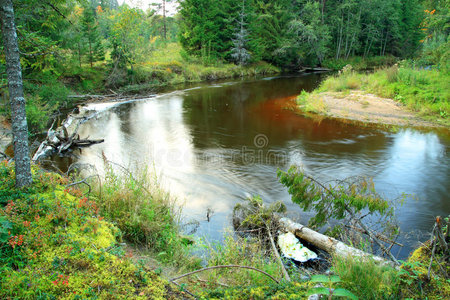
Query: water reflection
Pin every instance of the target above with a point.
(202, 143)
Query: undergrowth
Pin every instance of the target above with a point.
(54, 244)
(366, 279)
(146, 214)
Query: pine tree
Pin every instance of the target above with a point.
(239, 52)
(90, 30)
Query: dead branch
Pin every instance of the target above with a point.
(275, 250)
(184, 289)
(377, 235)
(82, 181)
(225, 266)
(5, 155)
(91, 96)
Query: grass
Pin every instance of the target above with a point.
(312, 102)
(146, 214)
(242, 283)
(366, 279)
(426, 92)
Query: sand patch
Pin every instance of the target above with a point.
(369, 108)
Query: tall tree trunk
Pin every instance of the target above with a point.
(79, 53)
(90, 50)
(323, 9)
(164, 19)
(17, 100)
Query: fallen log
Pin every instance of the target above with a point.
(329, 244)
(60, 142)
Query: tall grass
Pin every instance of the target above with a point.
(312, 102)
(146, 214)
(366, 279)
(241, 251)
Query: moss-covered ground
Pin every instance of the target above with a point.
(55, 245)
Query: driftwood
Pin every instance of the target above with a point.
(438, 237)
(60, 141)
(327, 243)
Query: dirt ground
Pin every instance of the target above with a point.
(370, 109)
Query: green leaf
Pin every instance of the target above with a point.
(344, 293)
(334, 278)
(319, 278)
(319, 290)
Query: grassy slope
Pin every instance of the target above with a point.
(54, 244)
(426, 92)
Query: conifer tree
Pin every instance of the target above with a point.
(239, 52)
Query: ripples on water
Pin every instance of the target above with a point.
(202, 142)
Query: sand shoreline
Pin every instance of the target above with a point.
(368, 108)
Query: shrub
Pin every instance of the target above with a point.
(58, 246)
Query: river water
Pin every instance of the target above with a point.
(216, 144)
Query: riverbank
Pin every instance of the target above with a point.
(60, 240)
(361, 107)
(402, 96)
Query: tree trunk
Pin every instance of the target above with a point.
(164, 19)
(17, 100)
(327, 243)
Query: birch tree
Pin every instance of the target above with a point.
(17, 99)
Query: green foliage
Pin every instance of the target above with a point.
(145, 214)
(255, 215)
(286, 290)
(330, 290)
(340, 201)
(414, 279)
(57, 245)
(366, 279)
(245, 252)
(312, 35)
(312, 102)
(359, 63)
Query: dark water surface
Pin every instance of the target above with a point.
(217, 144)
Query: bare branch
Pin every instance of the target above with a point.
(225, 266)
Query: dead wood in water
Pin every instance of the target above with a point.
(327, 243)
(60, 142)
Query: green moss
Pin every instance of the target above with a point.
(59, 247)
(288, 290)
(414, 275)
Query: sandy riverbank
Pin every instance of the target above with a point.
(368, 108)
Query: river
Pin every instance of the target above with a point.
(214, 145)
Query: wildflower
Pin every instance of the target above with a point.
(26, 223)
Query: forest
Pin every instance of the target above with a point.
(93, 46)
(241, 67)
